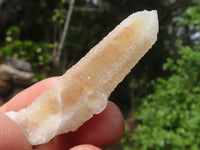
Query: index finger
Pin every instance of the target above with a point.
(27, 96)
(103, 129)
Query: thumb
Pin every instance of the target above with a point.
(85, 147)
(11, 136)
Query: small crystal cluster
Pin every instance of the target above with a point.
(84, 89)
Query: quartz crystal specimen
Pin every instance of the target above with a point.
(84, 89)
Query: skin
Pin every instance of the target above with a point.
(99, 132)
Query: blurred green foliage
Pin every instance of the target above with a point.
(169, 117)
(39, 54)
(193, 15)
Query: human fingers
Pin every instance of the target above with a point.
(11, 136)
(85, 147)
(106, 120)
(27, 96)
(102, 130)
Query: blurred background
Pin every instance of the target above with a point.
(160, 98)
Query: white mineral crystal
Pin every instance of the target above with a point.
(84, 89)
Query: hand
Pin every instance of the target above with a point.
(102, 130)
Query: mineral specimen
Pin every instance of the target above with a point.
(84, 89)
